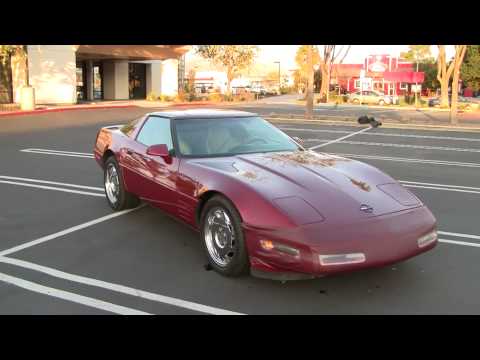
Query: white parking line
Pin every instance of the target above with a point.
(51, 188)
(66, 231)
(55, 151)
(440, 185)
(441, 188)
(58, 153)
(464, 243)
(384, 134)
(467, 236)
(119, 288)
(407, 146)
(51, 182)
(408, 160)
(69, 296)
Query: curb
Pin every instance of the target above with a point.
(97, 107)
(327, 121)
(60, 109)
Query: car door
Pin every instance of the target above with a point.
(371, 97)
(157, 177)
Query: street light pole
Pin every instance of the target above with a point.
(279, 81)
(416, 88)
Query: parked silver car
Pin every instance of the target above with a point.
(370, 97)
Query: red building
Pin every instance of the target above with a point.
(386, 73)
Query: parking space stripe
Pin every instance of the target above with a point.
(467, 236)
(384, 134)
(440, 185)
(119, 288)
(56, 151)
(51, 182)
(51, 188)
(69, 296)
(408, 146)
(408, 160)
(441, 188)
(66, 231)
(464, 243)
(80, 155)
(373, 157)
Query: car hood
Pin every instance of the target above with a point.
(334, 186)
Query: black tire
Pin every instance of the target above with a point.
(239, 263)
(124, 200)
(356, 101)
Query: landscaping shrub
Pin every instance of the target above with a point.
(152, 96)
(244, 97)
(180, 97)
(215, 97)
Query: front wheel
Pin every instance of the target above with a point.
(381, 102)
(223, 237)
(118, 198)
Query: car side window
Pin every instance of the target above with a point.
(156, 131)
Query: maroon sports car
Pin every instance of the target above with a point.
(260, 200)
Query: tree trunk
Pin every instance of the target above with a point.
(309, 106)
(324, 81)
(443, 75)
(229, 82)
(459, 55)
(327, 85)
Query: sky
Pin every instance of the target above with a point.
(286, 55)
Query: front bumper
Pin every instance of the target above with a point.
(384, 240)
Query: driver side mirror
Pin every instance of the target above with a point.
(160, 150)
(299, 140)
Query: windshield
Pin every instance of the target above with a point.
(230, 136)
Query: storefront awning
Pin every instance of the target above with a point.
(131, 52)
(410, 77)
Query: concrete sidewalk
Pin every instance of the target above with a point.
(109, 105)
(386, 122)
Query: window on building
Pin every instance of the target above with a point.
(156, 131)
(357, 84)
(403, 86)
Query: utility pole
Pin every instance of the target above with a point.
(279, 81)
(309, 108)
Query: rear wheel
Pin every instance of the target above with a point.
(223, 237)
(356, 101)
(118, 198)
(381, 102)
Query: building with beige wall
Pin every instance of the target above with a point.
(66, 74)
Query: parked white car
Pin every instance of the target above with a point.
(370, 97)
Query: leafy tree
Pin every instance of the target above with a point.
(233, 58)
(6, 53)
(430, 70)
(460, 51)
(471, 67)
(331, 54)
(302, 65)
(310, 78)
(418, 53)
(444, 73)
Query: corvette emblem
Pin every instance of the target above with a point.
(366, 208)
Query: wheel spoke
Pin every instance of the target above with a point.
(219, 236)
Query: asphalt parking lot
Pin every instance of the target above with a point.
(63, 251)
